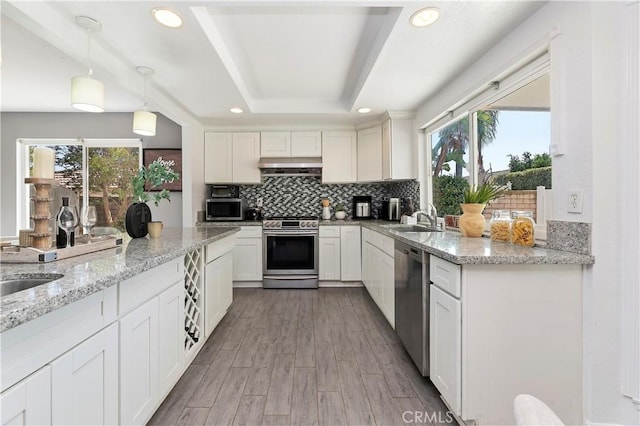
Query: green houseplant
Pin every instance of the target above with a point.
(475, 199)
(149, 177)
(340, 212)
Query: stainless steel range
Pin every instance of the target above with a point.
(290, 252)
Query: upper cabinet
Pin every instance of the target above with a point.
(398, 159)
(370, 154)
(232, 157)
(339, 157)
(290, 144)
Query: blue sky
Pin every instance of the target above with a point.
(518, 131)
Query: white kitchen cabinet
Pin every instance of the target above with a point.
(139, 363)
(84, 382)
(378, 271)
(246, 154)
(306, 144)
(350, 253)
(329, 258)
(398, 153)
(370, 154)
(171, 352)
(275, 144)
(232, 157)
(387, 288)
(247, 254)
(218, 289)
(445, 329)
(339, 157)
(28, 402)
(218, 157)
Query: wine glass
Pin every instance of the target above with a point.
(68, 220)
(88, 219)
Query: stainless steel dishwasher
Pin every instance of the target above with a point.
(412, 302)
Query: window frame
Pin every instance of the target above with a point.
(22, 167)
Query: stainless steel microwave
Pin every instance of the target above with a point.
(223, 209)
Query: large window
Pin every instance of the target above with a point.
(90, 172)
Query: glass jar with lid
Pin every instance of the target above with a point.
(522, 228)
(500, 226)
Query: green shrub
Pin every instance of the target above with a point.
(527, 179)
(448, 193)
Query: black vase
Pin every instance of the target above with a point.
(138, 215)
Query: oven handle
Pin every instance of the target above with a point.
(291, 232)
(290, 277)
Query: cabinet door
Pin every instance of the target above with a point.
(375, 271)
(218, 290)
(275, 144)
(246, 154)
(350, 253)
(386, 150)
(339, 157)
(306, 144)
(247, 259)
(84, 382)
(387, 288)
(370, 154)
(170, 336)
(139, 363)
(329, 259)
(218, 157)
(444, 345)
(28, 402)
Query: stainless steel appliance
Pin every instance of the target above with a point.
(223, 191)
(224, 209)
(362, 207)
(391, 209)
(291, 166)
(290, 252)
(412, 302)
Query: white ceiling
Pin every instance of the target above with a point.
(282, 62)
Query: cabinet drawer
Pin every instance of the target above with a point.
(137, 290)
(329, 231)
(250, 232)
(445, 275)
(218, 248)
(386, 245)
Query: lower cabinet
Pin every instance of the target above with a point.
(329, 258)
(146, 373)
(340, 253)
(218, 291)
(247, 254)
(350, 253)
(378, 271)
(84, 382)
(445, 328)
(28, 402)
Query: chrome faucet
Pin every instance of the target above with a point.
(432, 216)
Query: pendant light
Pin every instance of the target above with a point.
(87, 94)
(144, 122)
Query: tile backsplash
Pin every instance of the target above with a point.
(301, 195)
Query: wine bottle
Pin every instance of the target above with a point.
(61, 234)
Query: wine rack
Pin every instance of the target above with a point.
(193, 300)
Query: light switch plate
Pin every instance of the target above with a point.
(574, 202)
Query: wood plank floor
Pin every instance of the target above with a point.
(300, 357)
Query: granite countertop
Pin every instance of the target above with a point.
(230, 223)
(87, 274)
(455, 248)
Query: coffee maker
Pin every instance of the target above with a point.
(362, 207)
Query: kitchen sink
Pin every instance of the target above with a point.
(412, 228)
(13, 285)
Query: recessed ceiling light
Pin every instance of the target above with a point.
(236, 110)
(364, 110)
(167, 17)
(425, 16)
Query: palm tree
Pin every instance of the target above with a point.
(454, 140)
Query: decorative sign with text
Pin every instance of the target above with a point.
(169, 156)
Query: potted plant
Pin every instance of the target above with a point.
(340, 212)
(475, 199)
(138, 214)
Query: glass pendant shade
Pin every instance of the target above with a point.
(144, 123)
(87, 94)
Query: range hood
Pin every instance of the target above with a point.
(291, 166)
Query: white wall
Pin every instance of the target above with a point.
(77, 125)
(587, 78)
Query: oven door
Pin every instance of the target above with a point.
(290, 252)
